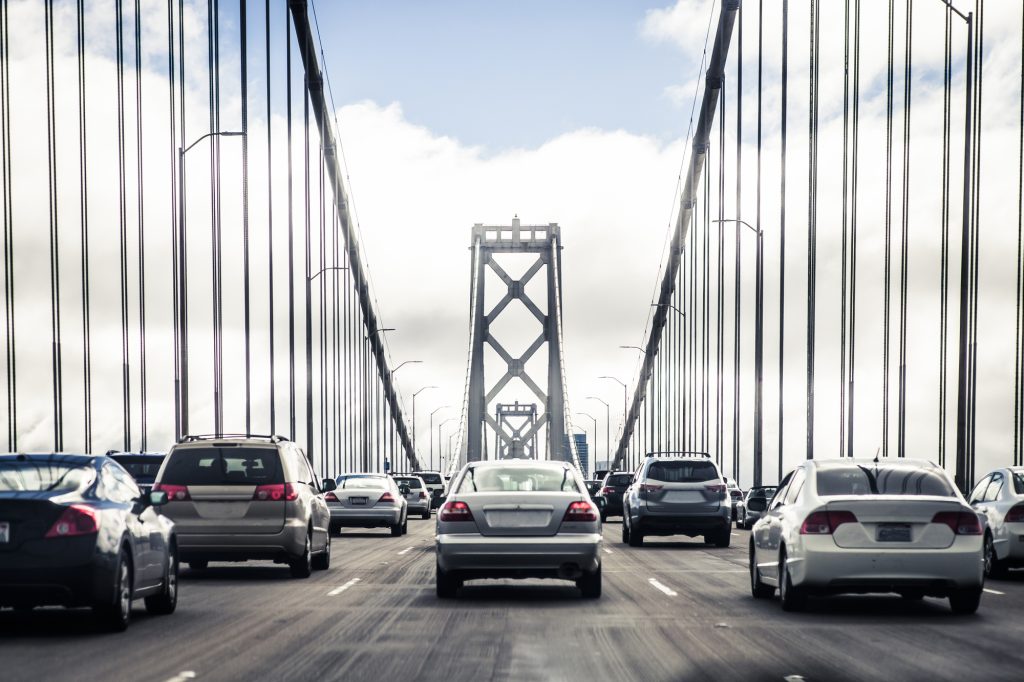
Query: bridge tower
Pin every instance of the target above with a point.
(516, 435)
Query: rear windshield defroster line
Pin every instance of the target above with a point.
(224, 466)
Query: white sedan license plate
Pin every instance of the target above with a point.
(518, 519)
(893, 532)
(5, 532)
(357, 500)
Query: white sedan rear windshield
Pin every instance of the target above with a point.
(882, 480)
(518, 479)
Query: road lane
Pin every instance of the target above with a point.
(253, 621)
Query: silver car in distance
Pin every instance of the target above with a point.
(518, 519)
(842, 526)
(368, 501)
(1000, 497)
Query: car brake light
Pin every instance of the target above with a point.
(175, 493)
(423, 495)
(331, 497)
(720, 489)
(825, 522)
(649, 488)
(455, 511)
(386, 497)
(75, 520)
(607, 491)
(1015, 515)
(961, 523)
(275, 492)
(580, 511)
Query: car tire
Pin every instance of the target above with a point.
(166, 601)
(302, 565)
(723, 537)
(115, 614)
(792, 598)
(590, 584)
(994, 568)
(965, 602)
(198, 565)
(636, 538)
(625, 531)
(425, 515)
(396, 530)
(446, 584)
(322, 561)
(757, 588)
(405, 524)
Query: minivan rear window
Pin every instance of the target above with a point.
(223, 466)
(684, 471)
(884, 480)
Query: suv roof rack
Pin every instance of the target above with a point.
(678, 453)
(195, 437)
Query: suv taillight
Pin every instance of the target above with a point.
(826, 522)
(175, 493)
(455, 511)
(649, 488)
(719, 488)
(275, 492)
(423, 495)
(1015, 515)
(580, 511)
(607, 490)
(76, 520)
(961, 523)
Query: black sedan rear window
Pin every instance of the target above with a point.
(432, 479)
(683, 471)
(42, 476)
(142, 471)
(882, 480)
(224, 466)
(619, 480)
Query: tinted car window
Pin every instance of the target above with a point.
(683, 471)
(35, 476)
(413, 483)
(518, 479)
(979, 490)
(1018, 482)
(432, 479)
(890, 480)
(619, 480)
(994, 488)
(223, 466)
(796, 486)
(142, 470)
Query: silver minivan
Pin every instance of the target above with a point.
(246, 498)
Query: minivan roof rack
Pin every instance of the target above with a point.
(194, 437)
(678, 453)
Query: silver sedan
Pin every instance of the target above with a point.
(368, 501)
(841, 526)
(1000, 497)
(518, 519)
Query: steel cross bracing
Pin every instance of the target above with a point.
(512, 439)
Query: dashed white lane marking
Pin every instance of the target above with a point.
(735, 534)
(338, 590)
(993, 591)
(658, 586)
(793, 678)
(607, 551)
(183, 675)
(405, 551)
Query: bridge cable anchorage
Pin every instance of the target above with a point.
(83, 204)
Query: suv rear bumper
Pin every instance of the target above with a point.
(686, 524)
(289, 542)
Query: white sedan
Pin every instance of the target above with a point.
(848, 526)
(1000, 497)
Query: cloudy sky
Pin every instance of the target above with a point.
(572, 112)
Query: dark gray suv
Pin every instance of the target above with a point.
(673, 495)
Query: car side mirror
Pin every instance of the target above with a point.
(157, 498)
(329, 484)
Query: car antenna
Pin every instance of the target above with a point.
(876, 455)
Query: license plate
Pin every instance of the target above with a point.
(5, 532)
(357, 500)
(518, 519)
(893, 532)
(684, 496)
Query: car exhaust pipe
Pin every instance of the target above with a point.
(569, 571)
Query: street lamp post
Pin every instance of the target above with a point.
(430, 434)
(607, 429)
(624, 390)
(439, 452)
(758, 348)
(668, 305)
(414, 416)
(181, 378)
(634, 348)
(587, 414)
(403, 364)
(449, 458)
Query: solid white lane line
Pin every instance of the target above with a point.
(338, 590)
(405, 551)
(183, 675)
(993, 591)
(658, 586)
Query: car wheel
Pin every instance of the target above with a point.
(757, 588)
(115, 614)
(965, 602)
(426, 515)
(302, 565)
(166, 601)
(724, 536)
(396, 530)
(447, 585)
(590, 584)
(199, 565)
(625, 531)
(636, 538)
(604, 517)
(792, 598)
(322, 561)
(405, 524)
(994, 568)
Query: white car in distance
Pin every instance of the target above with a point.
(1000, 497)
(848, 526)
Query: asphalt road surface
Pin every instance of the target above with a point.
(672, 610)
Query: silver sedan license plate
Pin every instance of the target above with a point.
(893, 532)
(5, 532)
(357, 500)
(518, 519)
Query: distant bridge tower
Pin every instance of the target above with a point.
(489, 245)
(516, 435)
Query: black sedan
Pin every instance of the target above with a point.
(610, 495)
(75, 530)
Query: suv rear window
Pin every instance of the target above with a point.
(223, 466)
(432, 479)
(683, 471)
(619, 479)
(413, 483)
(885, 480)
(142, 470)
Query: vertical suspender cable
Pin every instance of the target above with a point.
(181, 255)
(888, 240)
(759, 294)
(706, 313)
(291, 234)
(51, 142)
(719, 404)
(213, 24)
(905, 237)
(845, 227)
(1018, 393)
(142, 238)
(782, 225)
(854, 166)
(123, 223)
(947, 81)
(83, 194)
(737, 292)
(307, 288)
(270, 223)
(243, 34)
(324, 398)
(812, 217)
(5, 165)
(976, 248)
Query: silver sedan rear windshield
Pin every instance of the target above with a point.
(683, 471)
(363, 483)
(518, 479)
(883, 480)
(223, 466)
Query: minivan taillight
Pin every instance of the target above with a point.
(175, 493)
(580, 511)
(825, 522)
(275, 492)
(961, 523)
(1015, 515)
(455, 511)
(76, 520)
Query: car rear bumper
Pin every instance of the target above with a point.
(475, 555)
(364, 518)
(419, 506)
(824, 567)
(682, 524)
(289, 542)
(54, 581)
